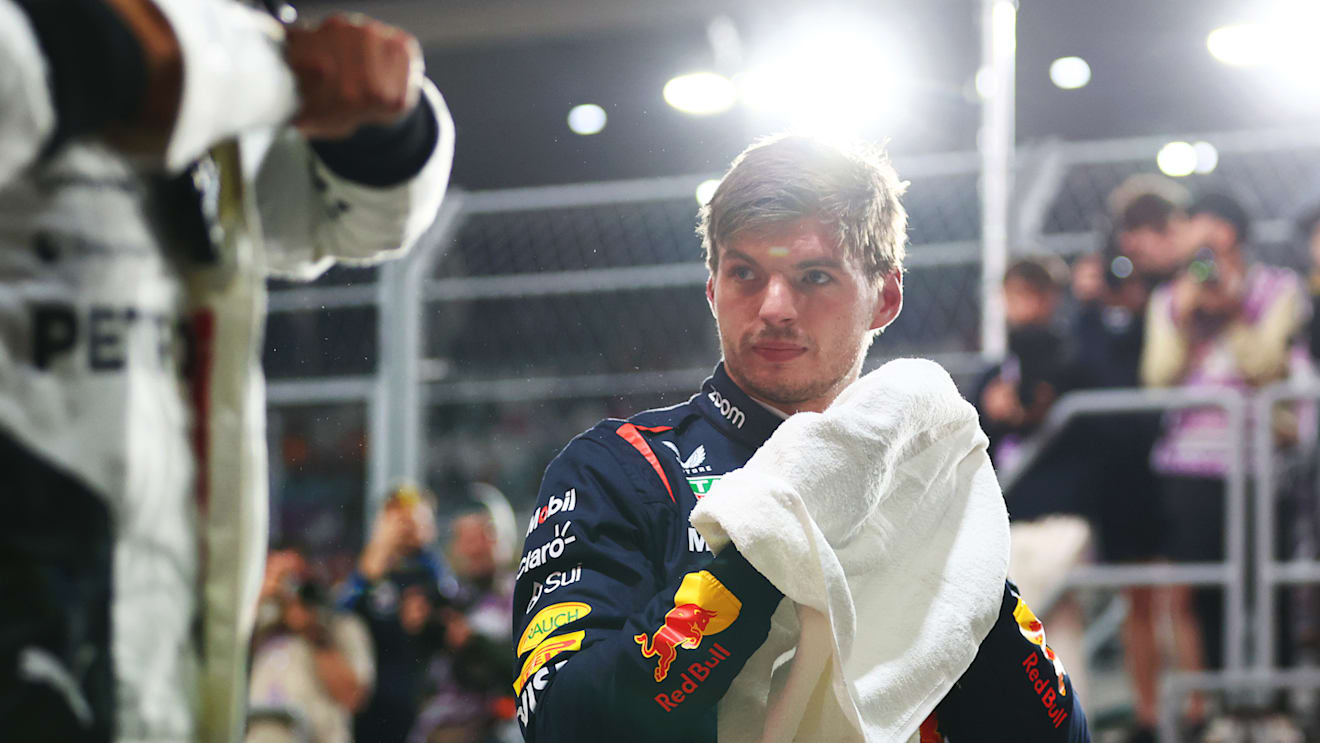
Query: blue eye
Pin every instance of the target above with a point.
(741, 272)
(817, 277)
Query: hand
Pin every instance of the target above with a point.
(352, 71)
(388, 537)
(1186, 296)
(280, 566)
(1042, 399)
(1001, 404)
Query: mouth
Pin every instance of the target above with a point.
(778, 352)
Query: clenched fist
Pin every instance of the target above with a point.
(352, 71)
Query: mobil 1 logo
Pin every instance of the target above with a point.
(557, 504)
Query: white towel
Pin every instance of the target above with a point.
(882, 522)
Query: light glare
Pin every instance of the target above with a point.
(985, 82)
(833, 81)
(1177, 159)
(701, 93)
(1207, 157)
(1241, 45)
(706, 191)
(587, 118)
(1070, 73)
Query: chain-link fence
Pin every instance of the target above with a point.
(542, 310)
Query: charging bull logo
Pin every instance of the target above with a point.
(1032, 629)
(702, 606)
(684, 627)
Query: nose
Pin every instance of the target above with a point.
(778, 302)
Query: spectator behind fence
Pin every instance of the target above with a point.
(468, 685)
(312, 666)
(396, 588)
(1147, 225)
(1014, 396)
(1222, 322)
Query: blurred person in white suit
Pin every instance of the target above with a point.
(158, 160)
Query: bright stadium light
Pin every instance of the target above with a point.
(1070, 73)
(706, 191)
(701, 93)
(1207, 157)
(1243, 44)
(1177, 159)
(587, 118)
(834, 78)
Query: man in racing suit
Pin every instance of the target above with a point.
(149, 183)
(626, 627)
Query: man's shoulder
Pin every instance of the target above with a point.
(627, 448)
(615, 433)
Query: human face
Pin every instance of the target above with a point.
(1025, 305)
(794, 315)
(1219, 235)
(1157, 252)
(472, 546)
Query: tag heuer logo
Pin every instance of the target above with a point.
(702, 485)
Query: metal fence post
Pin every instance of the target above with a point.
(997, 138)
(395, 420)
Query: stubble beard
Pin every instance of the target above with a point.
(788, 394)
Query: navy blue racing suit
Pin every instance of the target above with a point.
(627, 628)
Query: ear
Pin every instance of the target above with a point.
(710, 293)
(890, 300)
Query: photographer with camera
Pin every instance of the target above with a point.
(309, 660)
(398, 589)
(1225, 322)
(467, 686)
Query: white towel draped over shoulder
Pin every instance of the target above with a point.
(882, 522)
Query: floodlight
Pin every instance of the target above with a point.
(701, 93)
(1177, 159)
(1242, 45)
(1070, 73)
(832, 78)
(587, 118)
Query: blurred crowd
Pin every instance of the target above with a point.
(410, 646)
(1174, 297)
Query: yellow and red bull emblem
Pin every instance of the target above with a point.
(702, 606)
(1032, 629)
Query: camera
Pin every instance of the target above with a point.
(1202, 268)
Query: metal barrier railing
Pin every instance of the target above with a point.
(1271, 572)
(1229, 573)
(1175, 686)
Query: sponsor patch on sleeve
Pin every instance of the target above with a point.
(548, 620)
(702, 606)
(544, 653)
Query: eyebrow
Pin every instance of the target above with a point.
(809, 263)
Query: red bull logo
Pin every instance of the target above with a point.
(702, 606)
(684, 627)
(1032, 629)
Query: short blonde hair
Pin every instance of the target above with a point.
(852, 189)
